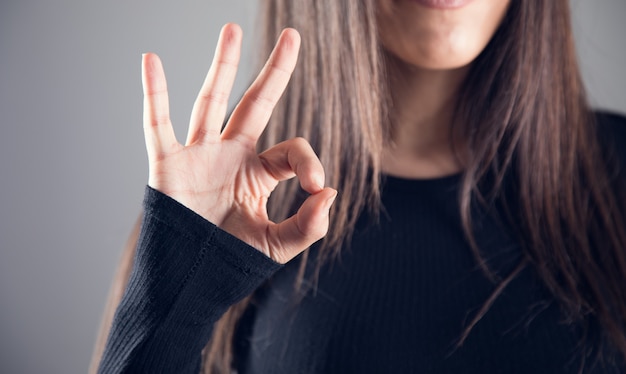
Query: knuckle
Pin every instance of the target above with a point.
(312, 230)
(215, 97)
(226, 63)
(155, 93)
(276, 68)
(302, 229)
(301, 151)
(157, 120)
(262, 99)
(301, 142)
(268, 165)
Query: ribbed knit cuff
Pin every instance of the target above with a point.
(187, 272)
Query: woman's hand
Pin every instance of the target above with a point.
(218, 174)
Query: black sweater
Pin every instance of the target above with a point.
(396, 300)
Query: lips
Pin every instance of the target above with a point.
(443, 4)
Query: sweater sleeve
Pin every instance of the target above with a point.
(186, 273)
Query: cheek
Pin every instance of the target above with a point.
(435, 39)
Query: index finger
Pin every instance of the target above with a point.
(255, 108)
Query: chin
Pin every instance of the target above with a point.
(438, 39)
(438, 55)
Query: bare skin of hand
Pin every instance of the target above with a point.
(218, 174)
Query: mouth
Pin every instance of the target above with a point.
(443, 4)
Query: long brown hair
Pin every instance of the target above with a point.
(533, 150)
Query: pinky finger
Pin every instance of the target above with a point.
(157, 126)
(295, 234)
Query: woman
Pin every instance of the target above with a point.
(479, 225)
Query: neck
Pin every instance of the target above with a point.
(423, 104)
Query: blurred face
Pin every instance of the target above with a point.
(438, 34)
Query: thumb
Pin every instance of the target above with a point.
(298, 232)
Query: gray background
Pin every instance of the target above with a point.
(72, 158)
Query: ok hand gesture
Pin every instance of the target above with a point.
(218, 174)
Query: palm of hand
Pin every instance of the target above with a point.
(230, 189)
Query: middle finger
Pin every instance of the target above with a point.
(209, 110)
(255, 108)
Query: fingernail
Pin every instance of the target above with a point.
(320, 182)
(330, 201)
